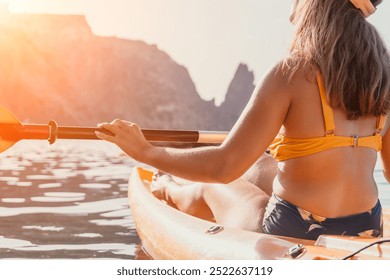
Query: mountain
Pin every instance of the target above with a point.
(54, 67)
(238, 94)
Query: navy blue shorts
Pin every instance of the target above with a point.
(286, 219)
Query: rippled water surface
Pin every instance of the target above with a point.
(69, 200)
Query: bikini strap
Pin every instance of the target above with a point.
(380, 123)
(326, 109)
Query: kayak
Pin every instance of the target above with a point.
(169, 234)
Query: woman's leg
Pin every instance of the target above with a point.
(240, 204)
(184, 195)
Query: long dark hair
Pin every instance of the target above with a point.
(337, 40)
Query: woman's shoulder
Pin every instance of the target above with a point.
(294, 69)
(289, 76)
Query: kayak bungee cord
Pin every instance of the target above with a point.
(365, 247)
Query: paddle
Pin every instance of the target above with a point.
(12, 130)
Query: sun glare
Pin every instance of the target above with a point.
(20, 5)
(45, 6)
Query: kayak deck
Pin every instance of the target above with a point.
(167, 233)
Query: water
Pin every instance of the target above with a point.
(69, 200)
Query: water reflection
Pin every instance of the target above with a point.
(68, 200)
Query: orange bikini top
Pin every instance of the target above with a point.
(283, 147)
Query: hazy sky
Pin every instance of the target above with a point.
(209, 37)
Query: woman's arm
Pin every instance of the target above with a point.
(385, 155)
(249, 138)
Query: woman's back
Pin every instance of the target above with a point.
(333, 38)
(331, 183)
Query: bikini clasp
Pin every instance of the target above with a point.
(355, 141)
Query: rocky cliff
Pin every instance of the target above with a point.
(54, 67)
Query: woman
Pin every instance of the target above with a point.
(321, 111)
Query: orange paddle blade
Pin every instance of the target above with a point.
(5, 144)
(8, 118)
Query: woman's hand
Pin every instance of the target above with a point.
(127, 136)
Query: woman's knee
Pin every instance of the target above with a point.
(239, 204)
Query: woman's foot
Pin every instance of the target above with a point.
(160, 184)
